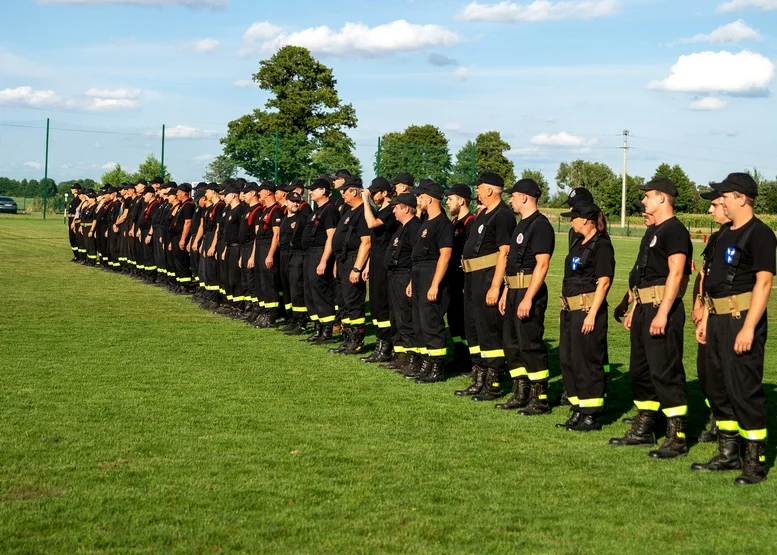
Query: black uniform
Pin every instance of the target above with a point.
(247, 238)
(292, 262)
(319, 290)
(455, 277)
(183, 271)
(132, 208)
(145, 224)
(71, 214)
(399, 263)
(194, 248)
(583, 357)
(345, 246)
(737, 256)
(378, 282)
(429, 316)
(100, 229)
(268, 284)
(208, 264)
(656, 364)
(126, 203)
(87, 227)
(490, 230)
(230, 228)
(113, 212)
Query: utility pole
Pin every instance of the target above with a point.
(623, 188)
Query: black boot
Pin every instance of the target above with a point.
(346, 341)
(461, 363)
(641, 431)
(711, 435)
(538, 401)
(423, 369)
(296, 329)
(728, 457)
(356, 346)
(564, 401)
(674, 444)
(588, 423)
(520, 397)
(574, 419)
(371, 357)
(382, 352)
(317, 330)
(754, 464)
(478, 381)
(436, 372)
(288, 326)
(492, 389)
(412, 367)
(397, 361)
(326, 334)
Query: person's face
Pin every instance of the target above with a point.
(292, 206)
(299, 191)
(74, 192)
(420, 202)
(139, 188)
(338, 182)
(265, 196)
(155, 186)
(400, 188)
(148, 197)
(352, 196)
(317, 194)
(717, 212)
(517, 200)
(731, 204)
(454, 204)
(229, 198)
(578, 224)
(378, 197)
(652, 202)
(485, 192)
(250, 196)
(280, 197)
(180, 195)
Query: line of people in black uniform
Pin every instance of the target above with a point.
(262, 254)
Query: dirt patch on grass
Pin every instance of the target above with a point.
(28, 492)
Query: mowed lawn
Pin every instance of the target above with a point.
(132, 421)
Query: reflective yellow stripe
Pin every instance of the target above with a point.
(457, 339)
(337, 307)
(326, 319)
(230, 298)
(438, 352)
(474, 350)
(299, 309)
(537, 376)
(184, 280)
(518, 372)
(707, 402)
(287, 306)
(141, 267)
(345, 321)
(357, 322)
(728, 425)
(675, 411)
(314, 317)
(413, 349)
(574, 401)
(382, 325)
(591, 403)
(423, 351)
(399, 349)
(212, 288)
(753, 435)
(541, 397)
(681, 435)
(74, 248)
(647, 405)
(492, 354)
(271, 305)
(606, 368)
(150, 267)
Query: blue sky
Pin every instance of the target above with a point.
(690, 79)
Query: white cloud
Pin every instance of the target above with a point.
(353, 40)
(737, 5)
(737, 31)
(114, 94)
(708, 103)
(460, 74)
(243, 83)
(561, 139)
(34, 165)
(108, 166)
(192, 4)
(723, 72)
(203, 158)
(540, 10)
(32, 98)
(203, 46)
(186, 132)
(453, 127)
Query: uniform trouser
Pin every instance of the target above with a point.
(379, 296)
(455, 314)
(90, 245)
(149, 264)
(428, 316)
(113, 248)
(122, 242)
(582, 359)
(338, 293)
(248, 275)
(102, 243)
(129, 250)
(209, 273)
(222, 268)
(483, 323)
(80, 243)
(233, 284)
(401, 312)
(183, 271)
(352, 311)
(268, 279)
(159, 252)
(292, 279)
(319, 290)
(72, 237)
(140, 252)
(194, 264)
(656, 364)
(523, 340)
(739, 401)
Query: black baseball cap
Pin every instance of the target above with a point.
(251, 186)
(404, 178)
(739, 182)
(213, 187)
(185, 187)
(710, 195)
(294, 197)
(265, 186)
(76, 186)
(662, 185)
(231, 189)
(491, 178)
(295, 184)
(379, 184)
(343, 173)
(429, 187)
(110, 190)
(583, 209)
(141, 181)
(460, 190)
(527, 187)
(352, 182)
(148, 190)
(157, 181)
(320, 183)
(581, 194)
(408, 199)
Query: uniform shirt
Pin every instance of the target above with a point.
(381, 235)
(148, 215)
(213, 216)
(113, 213)
(292, 230)
(434, 234)
(541, 240)
(401, 246)
(271, 218)
(305, 210)
(185, 212)
(757, 255)
(250, 218)
(461, 231)
(350, 229)
(231, 223)
(197, 220)
(126, 208)
(324, 217)
(496, 234)
(580, 275)
(661, 241)
(71, 210)
(574, 237)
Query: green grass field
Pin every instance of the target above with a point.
(132, 421)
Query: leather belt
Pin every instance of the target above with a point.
(649, 295)
(480, 263)
(578, 302)
(518, 281)
(733, 304)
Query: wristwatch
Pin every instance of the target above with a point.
(357, 270)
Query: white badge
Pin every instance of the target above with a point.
(519, 239)
(653, 241)
(481, 228)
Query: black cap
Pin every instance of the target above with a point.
(213, 187)
(185, 187)
(91, 194)
(200, 186)
(295, 184)
(252, 186)
(379, 184)
(460, 190)
(343, 173)
(110, 190)
(231, 189)
(353, 182)
(710, 195)
(527, 187)
(172, 190)
(581, 194)
(170, 184)
(738, 183)
(76, 186)
(294, 197)
(141, 181)
(157, 181)
(662, 185)
(148, 190)
(408, 199)
(583, 209)
(429, 187)
(266, 186)
(491, 178)
(404, 178)
(320, 183)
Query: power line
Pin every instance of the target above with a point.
(700, 146)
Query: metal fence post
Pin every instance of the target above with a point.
(473, 162)
(377, 161)
(46, 172)
(277, 149)
(162, 164)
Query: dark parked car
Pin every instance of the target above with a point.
(8, 205)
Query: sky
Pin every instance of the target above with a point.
(691, 80)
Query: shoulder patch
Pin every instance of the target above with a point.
(519, 239)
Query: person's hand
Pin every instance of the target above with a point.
(240, 262)
(148, 239)
(251, 263)
(627, 321)
(354, 277)
(658, 325)
(366, 273)
(701, 333)
(503, 303)
(492, 296)
(170, 247)
(621, 310)
(744, 341)
(431, 295)
(105, 234)
(90, 234)
(409, 289)
(697, 314)
(321, 269)
(211, 252)
(115, 228)
(589, 323)
(365, 195)
(524, 308)
(181, 245)
(269, 262)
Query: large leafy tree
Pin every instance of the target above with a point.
(115, 176)
(150, 168)
(220, 169)
(302, 109)
(334, 153)
(539, 178)
(420, 149)
(462, 169)
(489, 153)
(766, 201)
(609, 197)
(687, 196)
(580, 173)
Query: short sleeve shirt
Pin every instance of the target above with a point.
(532, 236)
(496, 232)
(271, 218)
(401, 246)
(434, 234)
(350, 229)
(461, 230)
(586, 263)
(324, 217)
(292, 229)
(381, 235)
(661, 242)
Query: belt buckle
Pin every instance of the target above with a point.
(635, 294)
(564, 303)
(709, 304)
(656, 302)
(584, 303)
(506, 281)
(735, 313)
